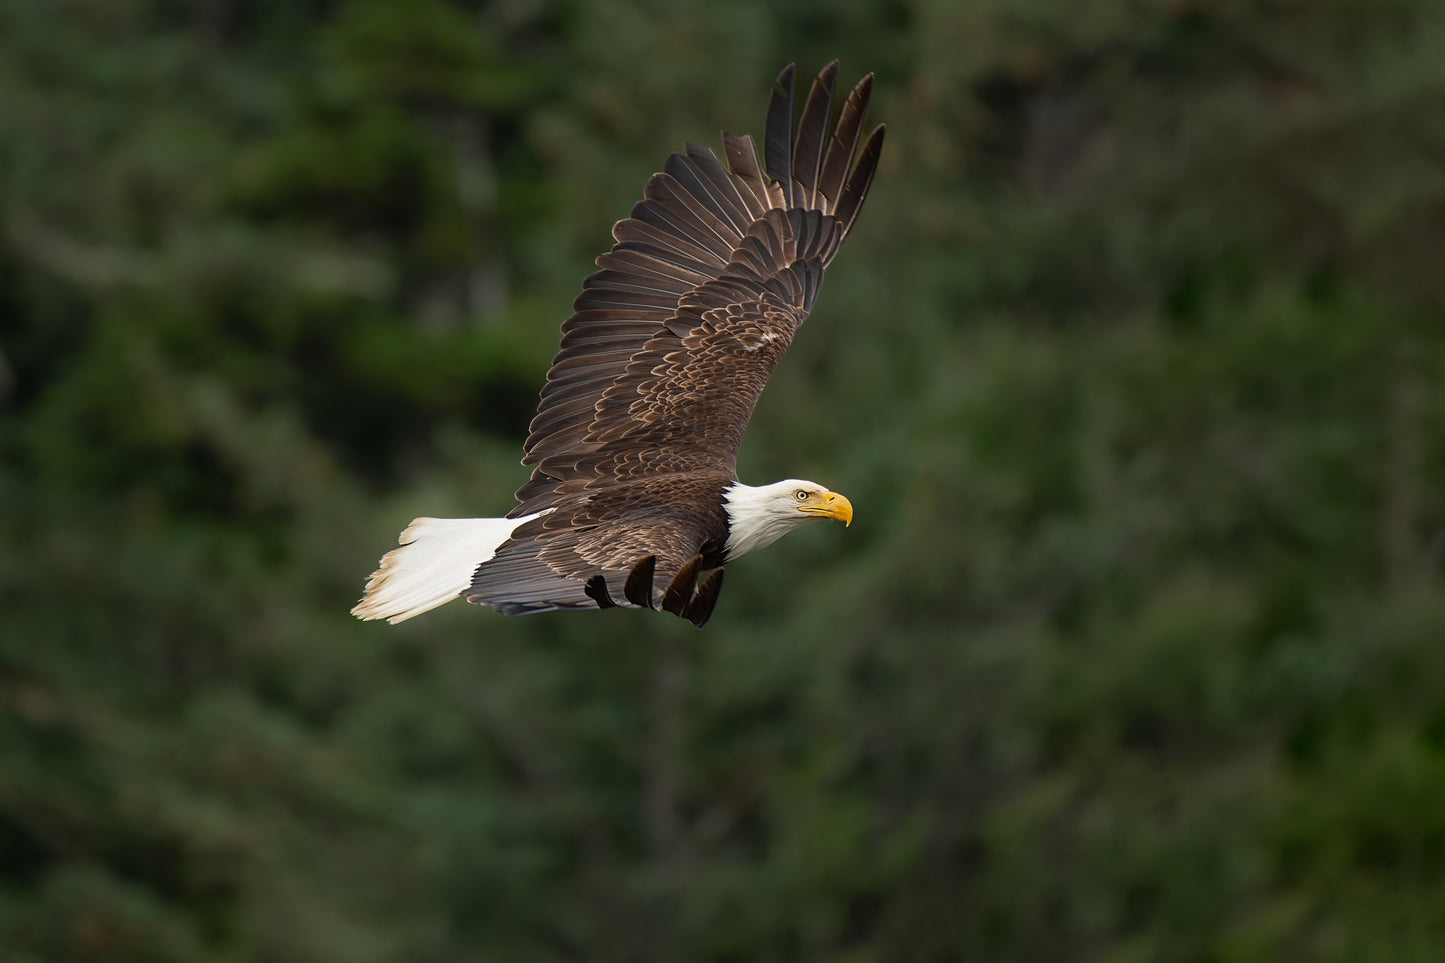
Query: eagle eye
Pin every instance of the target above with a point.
(800, 495)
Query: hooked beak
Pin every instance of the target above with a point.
(831, 505)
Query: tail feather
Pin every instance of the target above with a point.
(433, 565)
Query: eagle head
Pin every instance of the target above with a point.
(758, 516)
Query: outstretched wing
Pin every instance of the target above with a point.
(671, 342)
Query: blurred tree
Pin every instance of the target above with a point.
(1133, 369)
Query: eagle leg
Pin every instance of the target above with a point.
(679, 593)
(596, 590)
(638, 588)
(701, 605)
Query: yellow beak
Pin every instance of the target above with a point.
(830, 505)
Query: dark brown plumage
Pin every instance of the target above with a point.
(635, 442)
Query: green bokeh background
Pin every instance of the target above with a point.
(1134, 370)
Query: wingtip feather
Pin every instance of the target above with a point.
(778, 133)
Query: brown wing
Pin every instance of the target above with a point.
(671, 342)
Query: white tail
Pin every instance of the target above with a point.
(433, 565)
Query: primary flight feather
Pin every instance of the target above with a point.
(634, 498)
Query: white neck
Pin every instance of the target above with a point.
(754, 519)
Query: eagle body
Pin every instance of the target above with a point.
(634, 499)
(550, 559)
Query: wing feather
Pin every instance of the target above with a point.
(757, 192)
(668, 247)
(682, 230)
(778, 135)
(813, 135)
(639, 301)
(859, 181)
(691, 174)
(705, 174)
(671, 195)
(844, 144)
(637, 281)
(636, 259)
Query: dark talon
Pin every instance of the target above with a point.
(638, 589)
(701, 605)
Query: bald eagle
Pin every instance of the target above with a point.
(634, 499)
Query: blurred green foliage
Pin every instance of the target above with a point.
(1134, 370)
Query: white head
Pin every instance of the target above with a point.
(760, 516)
